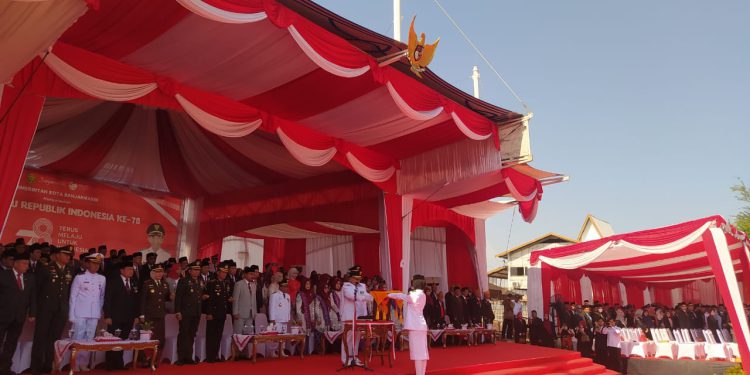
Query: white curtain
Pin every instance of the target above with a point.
(587, 291)
(329, 254)
(427, 255)
(29, 28)
(534, 297)
(244, 251)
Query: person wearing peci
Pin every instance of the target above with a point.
(415, 324)
(187, 307)
(18, 296)
(248, 299)
(86, 301)
(353, 305)
(53, 295)
(154, 295)
(120, 308)
(217, 296)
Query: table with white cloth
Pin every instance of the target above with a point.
(481, 333)
(134, 346)
(467, 334)
(329, 337)
(374, 330)
(280, 338)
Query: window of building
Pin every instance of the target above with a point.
(518, 271)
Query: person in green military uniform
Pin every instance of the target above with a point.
(154, 295)
(187, 308)
(218, 296)
(53, 295)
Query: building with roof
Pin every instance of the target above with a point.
(517, 259)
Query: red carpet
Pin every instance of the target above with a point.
(498, 359)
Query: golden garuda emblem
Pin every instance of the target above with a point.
(419, 54)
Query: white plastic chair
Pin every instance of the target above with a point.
(664, 347)
(713, 349)
(261, 323)
(225, 347)
(171, 328)
(22, 356)
(199, 347)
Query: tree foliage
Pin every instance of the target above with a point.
(742, 219)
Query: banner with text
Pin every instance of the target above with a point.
(85, 214)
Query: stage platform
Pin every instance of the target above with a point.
(499, 359)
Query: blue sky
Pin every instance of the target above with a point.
(642, 103)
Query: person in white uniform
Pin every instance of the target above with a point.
(354, 302)
(280, 312)
(156, 235)
(415, 323)
(86, 302)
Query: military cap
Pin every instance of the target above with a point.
(158, 268)
(418, 277)
(155, 228)
(94, 258)
(65, 250)
(284, 282)
(355, 272)
(223, 267)
(195, 265)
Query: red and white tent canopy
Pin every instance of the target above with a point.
(222, 99)
(708, 248)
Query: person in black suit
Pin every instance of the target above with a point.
(18, 296)
(187, 307)
(217, 297)
(121, 305)
(146, 269)
(53, 294)
(454, 307)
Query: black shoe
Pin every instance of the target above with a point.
(210, 361)
(179, 363)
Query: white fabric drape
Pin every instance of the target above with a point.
(304, 155)
(347, 227)
(374, 175)
(482, 210)
(98, 88)
(409, 111)
(215, 124)
(213, 13)
(534, 296)
(587, 290)
(28, 28)
(465, 129)
(326, 65)
(623, 250)
(135, 166)
(385, 252)
(427, 255)
(480, 254)
(284, 231)
(244, 251)
(407, 204)
(623, 294)
(329, 254)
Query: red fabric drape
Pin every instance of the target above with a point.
(635, 294)
(426, 214)
(294, 253)
(662, 295)
(461, 269)
(394, 225)
(16, 132)
(211, 249)
(273, 250)
(569, 288)
(690, 293)
(367, 253)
